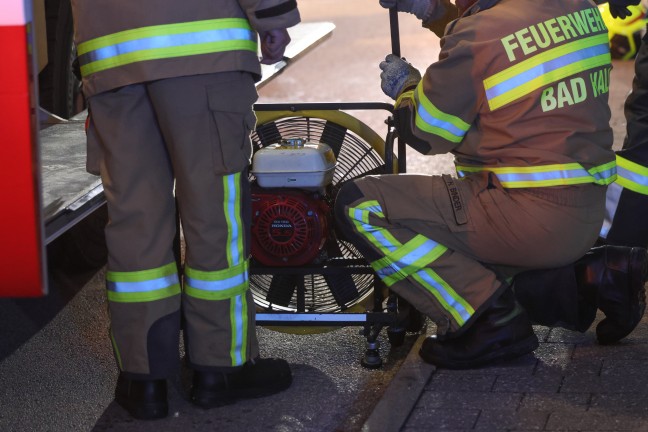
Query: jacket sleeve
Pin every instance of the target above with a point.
(267, 15)
(635, 146)
(434, 117)
(443, 14)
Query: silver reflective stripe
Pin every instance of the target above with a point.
(143, 286)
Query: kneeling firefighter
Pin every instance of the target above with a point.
(516, 96)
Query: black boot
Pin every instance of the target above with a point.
(257, 378)
(143, 399)
(613, 277)
(503, 331)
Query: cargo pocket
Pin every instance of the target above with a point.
(93, 149)
(233, 119)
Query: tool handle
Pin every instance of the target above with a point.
(393, 28)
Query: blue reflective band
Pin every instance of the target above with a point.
(375, 209)
(632, 176)
(450, 301)
(231, 204)
(167, 41)
(143, 286)
(437, 122)
(604, 175)
(407, 260)
(217, 285)
(376, 233)
(544, 68)
(238, 342)
(540, 176)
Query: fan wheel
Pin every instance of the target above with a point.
(359, 151)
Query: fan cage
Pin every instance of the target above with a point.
(340, 279)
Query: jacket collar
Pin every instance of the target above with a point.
(480, 5)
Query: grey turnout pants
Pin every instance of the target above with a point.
(449, 247)
(183, 140)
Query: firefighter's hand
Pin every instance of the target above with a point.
(619, 8)
(397, 75)
(422, 9)
(273, 45)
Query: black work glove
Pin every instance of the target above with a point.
(619, 8)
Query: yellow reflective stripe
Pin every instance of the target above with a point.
(632, 176)
(239, 324)
(161, 30)
(218, 275)
(408, 259)
(116, 350)
(232, 208)
(217, 295)
(380, 238)
(142, 275)
(165, 41)
(145, 296)
(144, 285)
(384, 241)
(371, 206)
(539, 78)
(454, 304)
(547, 175)
(432, 120)
(162, 53)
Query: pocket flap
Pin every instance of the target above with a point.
(235, 96)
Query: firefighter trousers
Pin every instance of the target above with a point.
(449, 247)
(168, 147)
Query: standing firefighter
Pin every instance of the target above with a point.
(170, 88)
(520, 96)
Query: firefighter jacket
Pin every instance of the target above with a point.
(155, 39)
(627, 198)
(521, 90)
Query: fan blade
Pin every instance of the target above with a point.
(268, 134)
(333, 135)
(342, 285)
(282, 287)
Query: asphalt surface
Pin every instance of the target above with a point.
(57, 372)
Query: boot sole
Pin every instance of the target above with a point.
(518, 349)
(208, 400)
(149, 411)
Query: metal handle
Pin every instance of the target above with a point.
(393, 27)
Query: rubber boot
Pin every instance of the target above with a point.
(143, 399)
(613, 277)
(503, 331)
(257, 378)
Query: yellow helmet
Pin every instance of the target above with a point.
(625, 34)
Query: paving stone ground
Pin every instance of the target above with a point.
(570, 383)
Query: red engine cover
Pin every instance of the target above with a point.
(289, 227)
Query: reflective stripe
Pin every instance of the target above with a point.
(430, 119)
(401, 261)
(632, 176)
(547, 175)
(116, 350)
(545, 68)
(217, 285)
(144, 285)
(612, 197)
(232, 206)
(379, 237)
(460, 310)
(239, 323)
(408, 259)
(165, 41)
